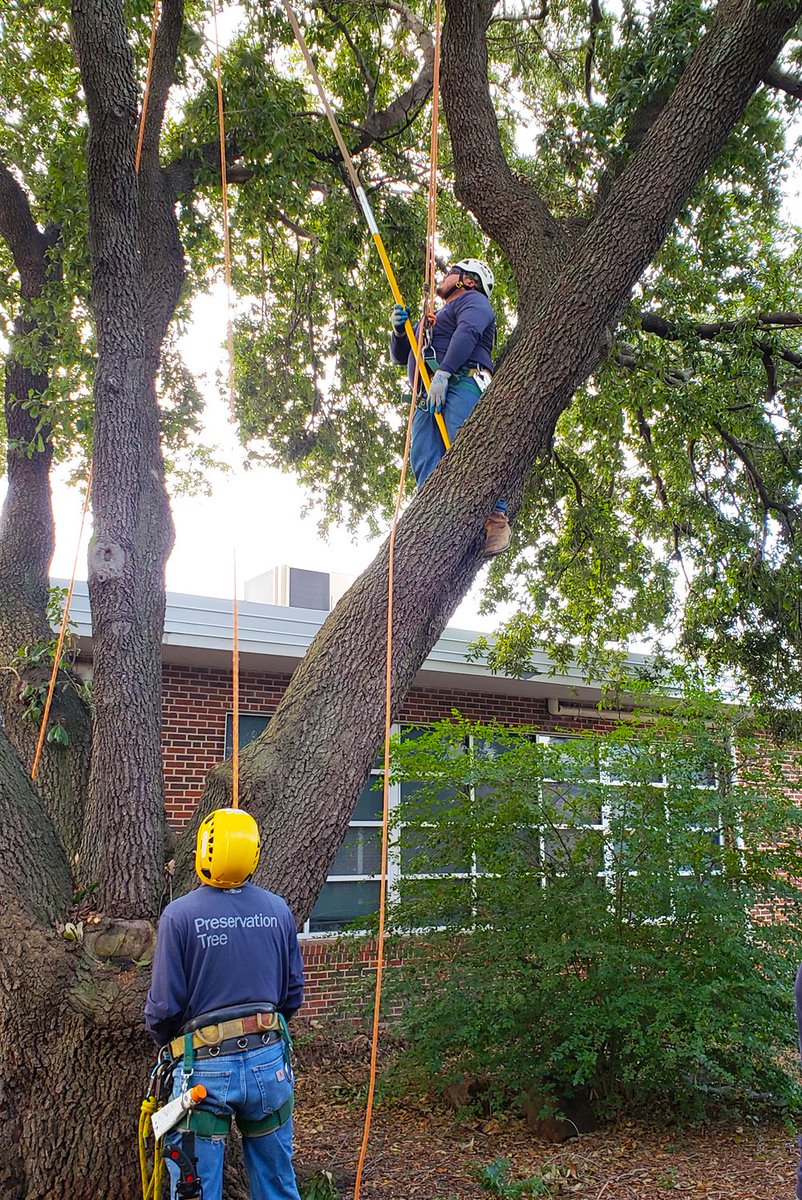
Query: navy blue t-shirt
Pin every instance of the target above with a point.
(219, 947)
(464, 332)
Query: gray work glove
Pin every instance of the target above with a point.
(437, 391)
(399, 319)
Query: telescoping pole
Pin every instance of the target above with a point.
(367, 211)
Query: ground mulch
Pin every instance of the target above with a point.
(423, 1150)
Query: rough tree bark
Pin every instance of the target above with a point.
(75, 1015)
(122, 848)
(27, 535)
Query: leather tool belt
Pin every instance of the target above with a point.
(248, 1041)
(236, 1027)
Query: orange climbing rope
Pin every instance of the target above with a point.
(68, 600)
(140, 137)
(221, 122)
(421, 372)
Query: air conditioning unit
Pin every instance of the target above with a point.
(294, 587)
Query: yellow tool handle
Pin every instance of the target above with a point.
(410, 332)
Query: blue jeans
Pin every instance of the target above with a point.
(428, 446)
(252, 1084)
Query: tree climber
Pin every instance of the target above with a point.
(227, 976)
(458, 349)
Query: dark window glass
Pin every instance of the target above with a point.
(340, 904)
(250, 726)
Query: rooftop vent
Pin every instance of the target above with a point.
(293, 587)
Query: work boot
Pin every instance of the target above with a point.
(497, 531)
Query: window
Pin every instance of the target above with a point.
(250, 726)
(351, 890)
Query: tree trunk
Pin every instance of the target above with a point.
(27, 536)
(122, 850)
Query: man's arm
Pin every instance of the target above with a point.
(400, 348)
(167, 997)
(295, 986)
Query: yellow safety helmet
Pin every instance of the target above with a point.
(227, 849)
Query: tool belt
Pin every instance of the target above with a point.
(224, 1031)
(468, 371)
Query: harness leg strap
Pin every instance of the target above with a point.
(268, 1124)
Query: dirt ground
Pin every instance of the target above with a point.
(424, 1151)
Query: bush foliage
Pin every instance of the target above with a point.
(593, 913)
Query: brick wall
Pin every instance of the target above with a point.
(196, 701)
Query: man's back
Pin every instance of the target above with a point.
(219, 947)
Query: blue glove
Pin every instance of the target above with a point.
(400, 318)
(437, 391)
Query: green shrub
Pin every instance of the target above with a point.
(592, 914)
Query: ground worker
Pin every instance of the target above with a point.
(227, 976)
(458, 351)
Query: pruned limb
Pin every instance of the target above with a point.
(775, 77)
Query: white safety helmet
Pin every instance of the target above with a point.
(486, 277)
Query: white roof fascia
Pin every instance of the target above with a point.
(198, 631)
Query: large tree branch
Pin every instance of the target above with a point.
(396, 115)
(162, 77)
(27, 533)
(708, 331)
(26, 241)
(508, 207)
(784, 82)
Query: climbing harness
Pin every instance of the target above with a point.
(232, 1035)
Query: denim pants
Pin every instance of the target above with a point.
(252, 1084)
(428, 446)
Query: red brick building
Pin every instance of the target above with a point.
(197, 726)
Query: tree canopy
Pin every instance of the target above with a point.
(667, 502)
